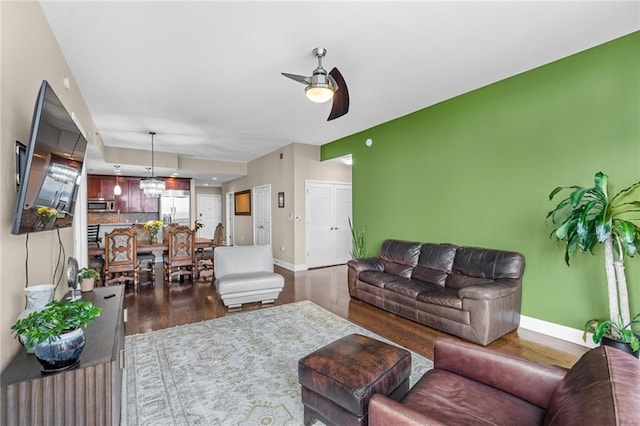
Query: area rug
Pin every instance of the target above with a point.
(241, 369)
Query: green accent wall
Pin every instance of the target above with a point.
(478, 169)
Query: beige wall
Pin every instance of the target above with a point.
(299, 163)
(29, 54)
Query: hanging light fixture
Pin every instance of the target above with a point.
(151, 186)
(116, 189)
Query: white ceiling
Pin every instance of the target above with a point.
(206, 75)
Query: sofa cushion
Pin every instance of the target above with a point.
(444, 297)
(602, 388)
(454, 399)
(399, 257)
(411, 288)
(435, 263)
(474, 265)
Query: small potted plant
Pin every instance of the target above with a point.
(56, 332)
(613, 333)
(87, 278)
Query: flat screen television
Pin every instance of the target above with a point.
(50, 167)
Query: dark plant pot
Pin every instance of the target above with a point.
(61, 354)
(623, 346)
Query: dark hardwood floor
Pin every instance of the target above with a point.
(157, 307)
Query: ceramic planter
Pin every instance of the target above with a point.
(87, 284)
(61, 354)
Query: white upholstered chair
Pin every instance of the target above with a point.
(244, 274)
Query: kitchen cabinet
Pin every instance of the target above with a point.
(131, 200)
(99, 186)
(177, 184)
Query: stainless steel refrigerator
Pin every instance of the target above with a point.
(174, 207)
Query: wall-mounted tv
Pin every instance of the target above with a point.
(50, 168)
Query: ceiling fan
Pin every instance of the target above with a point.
(322, 86)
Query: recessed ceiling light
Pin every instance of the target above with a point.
(206, 184)
(214, 178)
(174, 174)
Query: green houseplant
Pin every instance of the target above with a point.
(87, 278)
(357, 242)
(56, 332)
(587, 217)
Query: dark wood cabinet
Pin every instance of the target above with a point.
(132, 199)
(181, 184)
(99, 186)
(87, 395)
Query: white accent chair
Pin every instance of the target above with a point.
(244, 274)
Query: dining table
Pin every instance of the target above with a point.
(199, 243)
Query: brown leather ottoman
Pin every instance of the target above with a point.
(339, 379)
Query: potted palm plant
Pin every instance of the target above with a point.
(87, 278)
(587, 217)
(56, 332)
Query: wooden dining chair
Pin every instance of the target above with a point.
(180, 259)
(204, 257)
(121, 262)
(146, 261)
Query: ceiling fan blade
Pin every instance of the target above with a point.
(340, 104)
(299, 78)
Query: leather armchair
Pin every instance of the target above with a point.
(474, 385)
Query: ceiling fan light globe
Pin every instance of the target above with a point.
(319, 94)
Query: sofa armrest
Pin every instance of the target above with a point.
(366, 264)
(529, 380)
(384, 411)
(489, 291)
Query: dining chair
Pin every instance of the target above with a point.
(204, 257)
(121, 257)
(93, 235)
(180, 259)
(146, 261)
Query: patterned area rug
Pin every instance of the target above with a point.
(241, 369)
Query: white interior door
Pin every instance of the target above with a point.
(328, 208)
(342, 233)
(209, 213)
(262, 215)
(319, 225)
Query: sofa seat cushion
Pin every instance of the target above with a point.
(602, 388)
(411, 288)
(380, 279)
(456, 399)
(250, 281)
(443, 297)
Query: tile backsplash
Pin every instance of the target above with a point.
(94, 218)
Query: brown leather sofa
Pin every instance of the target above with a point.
(472, 385)
(473, 293)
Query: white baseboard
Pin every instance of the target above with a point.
(558, 331)
(290, 266)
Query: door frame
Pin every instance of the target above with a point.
(229, 219)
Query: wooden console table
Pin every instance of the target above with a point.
(87, 395)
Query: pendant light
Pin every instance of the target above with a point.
(117, 190)
(151, 186)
